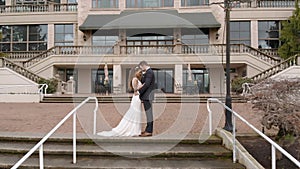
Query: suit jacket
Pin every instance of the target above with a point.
(147, 91)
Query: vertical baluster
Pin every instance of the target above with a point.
(41, 156)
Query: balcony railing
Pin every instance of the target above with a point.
(264, 4)
(70, 50)
(292, 61)
(21, 55)
(19, 69)
(149, 49)
(39, 8)
(234, 48)
(217, 49)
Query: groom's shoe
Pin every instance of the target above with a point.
(145, 134)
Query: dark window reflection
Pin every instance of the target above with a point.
(268, 34)
(63, 35)
(24, 38)
(2, 2)
(240, 32)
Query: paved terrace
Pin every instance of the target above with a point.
(170, 118)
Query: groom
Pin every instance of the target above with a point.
(147, 96)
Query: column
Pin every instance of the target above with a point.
(84, 80)
(177, 40)
(117, 76)
(254, 33)
(217, 80)
(178, 79)
(50, 35)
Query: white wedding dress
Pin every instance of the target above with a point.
(130, 124)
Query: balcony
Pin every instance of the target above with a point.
(264, 4)
(163, 52)
(39, 8)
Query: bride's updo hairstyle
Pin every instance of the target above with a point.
(132, 73)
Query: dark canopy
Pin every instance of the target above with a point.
(150, 20)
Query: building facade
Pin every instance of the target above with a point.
(182, 40)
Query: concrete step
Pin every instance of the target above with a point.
(94, 162)
(117, 152)
(124, 149)
(127, 99)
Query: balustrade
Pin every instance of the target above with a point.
(21, 55)
(39, 8)
(277, 68)
(21, 70)
(264, 4)
(149, 49)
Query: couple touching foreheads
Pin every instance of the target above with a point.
(142, 83)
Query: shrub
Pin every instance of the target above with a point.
(52, 84)
(236, 84)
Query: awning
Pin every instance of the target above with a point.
(150, 19)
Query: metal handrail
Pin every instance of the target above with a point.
(274, 145)
(39, 145)
(43, 89)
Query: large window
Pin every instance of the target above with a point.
(164, 79)
(194, 36)
(104, 40)
(240, 32)
(99, 85)
(268, 34)
(64, 35)
(24, 38)
(149, 3)
(185, 3)
(2, 2)
(105, 3)
(196, 81)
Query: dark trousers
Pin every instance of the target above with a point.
(149, 115)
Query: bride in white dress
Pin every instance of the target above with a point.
(131, 123)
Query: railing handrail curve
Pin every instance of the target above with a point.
(44, 139)
(274, 144)
(43, 88)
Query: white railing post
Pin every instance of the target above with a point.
(273, 151)
(95, 118)
(274, 144)
(74, 138)
(41, 156)
(209, 118)
(234, 140)
(44, 139)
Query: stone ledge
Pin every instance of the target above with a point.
(242, 155)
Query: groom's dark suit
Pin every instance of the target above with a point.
(147, 96)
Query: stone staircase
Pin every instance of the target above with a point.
(121, 152)
(127, 98)
(19, 69)
(292, 61)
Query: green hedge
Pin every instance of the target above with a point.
(236, 84)
(52, 84)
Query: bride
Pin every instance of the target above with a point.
(130, 124)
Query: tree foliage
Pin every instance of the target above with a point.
(290, 35)
(280, 104)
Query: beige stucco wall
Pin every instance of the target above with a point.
(9, 77)
(217, 79)
(14, 83)
(84, 80)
